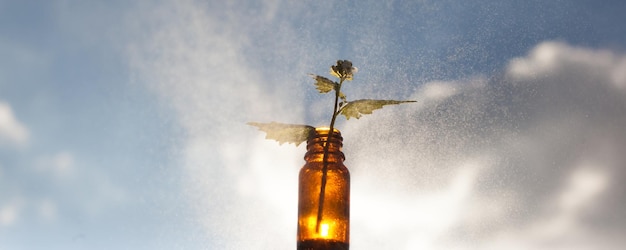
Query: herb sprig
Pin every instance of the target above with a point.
(296, 134)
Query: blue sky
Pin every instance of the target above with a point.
(122, 125)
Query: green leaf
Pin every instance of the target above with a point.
(323, 84)
(289, 133)
(366, 106)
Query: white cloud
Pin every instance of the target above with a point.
(550, 57)
(10, 212)
(60, 165)
(48, 210)
(550, 137)
(11, 130)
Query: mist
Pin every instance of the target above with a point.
(526, 156)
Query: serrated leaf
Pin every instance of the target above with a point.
(323, 84)
(285, 133)
(365, 107)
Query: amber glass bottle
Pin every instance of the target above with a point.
(326, 225)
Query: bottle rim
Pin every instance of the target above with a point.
(326, 129)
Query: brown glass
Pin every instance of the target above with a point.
(333, 229)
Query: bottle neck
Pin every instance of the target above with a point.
(317, 142)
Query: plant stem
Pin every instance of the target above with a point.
(320, 208)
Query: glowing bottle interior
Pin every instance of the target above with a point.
(332, 229)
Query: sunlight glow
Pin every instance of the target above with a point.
(324, 230)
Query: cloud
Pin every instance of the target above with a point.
(9, 213)
(59, 165)
(550, 57)
(12, 132)
(543, 142)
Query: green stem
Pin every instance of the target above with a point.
(320, 208)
